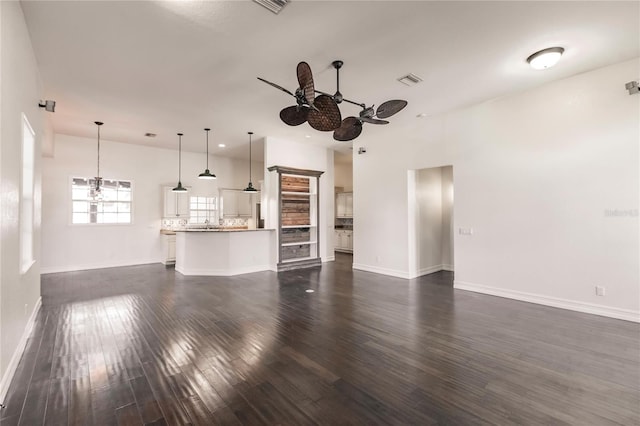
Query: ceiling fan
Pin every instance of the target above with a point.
(322, 111)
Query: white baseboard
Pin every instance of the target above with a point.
(223, 272)
(384, 271)
(429, 270)
(101, 265)
(447, 267)
(17, 354)
(328, 259)
(588, 308)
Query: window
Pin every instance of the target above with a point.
(112, 205)
(26, 202)
(202, 209)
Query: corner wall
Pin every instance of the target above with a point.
(20, 91)
(548, 179)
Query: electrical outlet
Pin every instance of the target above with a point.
(600, 291)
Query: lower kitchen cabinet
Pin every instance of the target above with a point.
(169, 249)
(343, 240)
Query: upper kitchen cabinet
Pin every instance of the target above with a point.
(344, 204)
(176, 204)
(236, 203)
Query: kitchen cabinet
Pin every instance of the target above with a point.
(168, 249)
(343, 240)
(344, 204)
(176, 204)
(298, 217)
(236, 203)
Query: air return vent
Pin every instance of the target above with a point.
(410, 79)
(273, 5)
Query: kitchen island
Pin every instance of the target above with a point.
(224, 252)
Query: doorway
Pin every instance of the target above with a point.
(431, 208)
(343, 212)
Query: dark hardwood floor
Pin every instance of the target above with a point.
(145, 345)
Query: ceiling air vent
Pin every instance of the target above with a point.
(410, 79)
(273, 5)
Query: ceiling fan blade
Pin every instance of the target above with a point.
(390, 108)
(305, 79)
(276, 86)
(327, 115)
(294, 115)
(350, 129)
(373, 120)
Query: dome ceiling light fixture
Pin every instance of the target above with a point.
(545, 58)
(207, 174)
(322, 112)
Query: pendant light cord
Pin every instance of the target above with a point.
(250, 133)
(98, 151)
(207, 148)
(180, 157)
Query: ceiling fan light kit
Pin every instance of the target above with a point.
(322, 111)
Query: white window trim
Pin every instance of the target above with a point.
(69, 203)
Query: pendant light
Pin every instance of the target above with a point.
(97, 190)
(250, 187)
(207, 174)
(179, 188)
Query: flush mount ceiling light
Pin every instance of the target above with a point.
(97, 190)
(179, 188)
(545, 58)
(221, 145)
(207, 174)
(250, 187)
(322, 111)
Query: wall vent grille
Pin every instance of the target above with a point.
(273, 5)
(410, 79)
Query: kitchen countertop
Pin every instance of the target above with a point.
(345, 228)
(221, 230)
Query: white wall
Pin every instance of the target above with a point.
(95, 246)
(279, 152)
(343, 175)
(20, 91)
(534, 174)
(447, 218)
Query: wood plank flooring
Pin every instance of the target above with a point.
(144, 345)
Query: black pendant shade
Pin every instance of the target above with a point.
(179, 188)
(250, 187)
(207, 174)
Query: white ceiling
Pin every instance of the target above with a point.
(165, 67)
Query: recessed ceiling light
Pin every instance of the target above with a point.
(307, 136)
(422, 115)
(545, 58)
(150, 135)
(221, 145)
(309, 290)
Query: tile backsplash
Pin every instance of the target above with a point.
(344, 222)
(175, 223)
